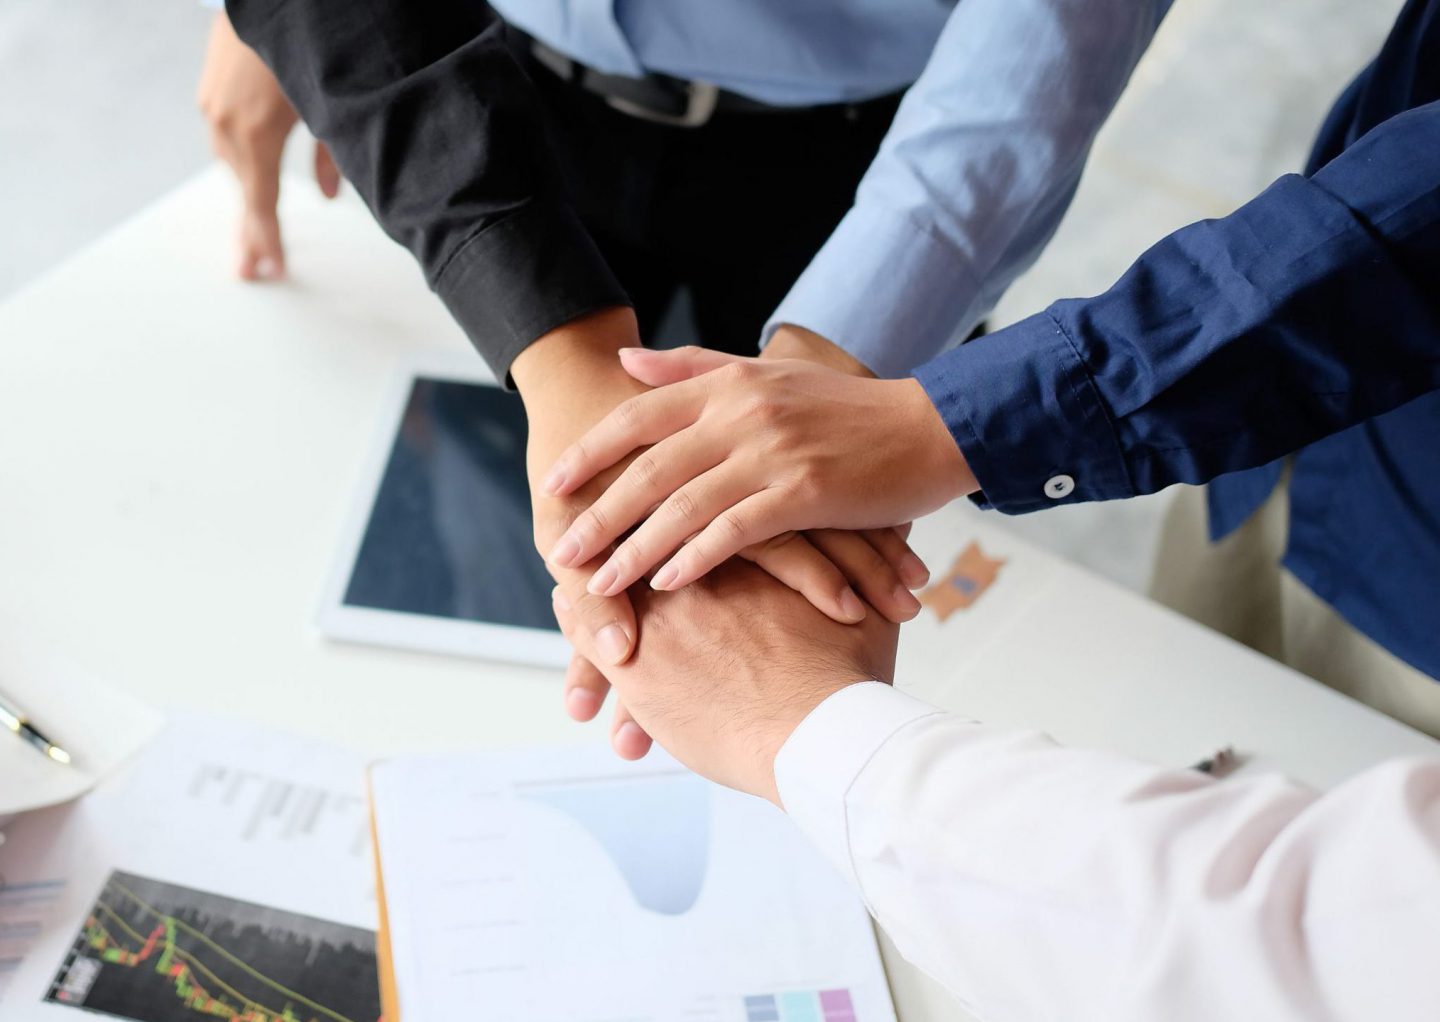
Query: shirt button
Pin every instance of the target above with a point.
(1059, 486)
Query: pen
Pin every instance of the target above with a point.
(15, 721)
(1219, 764)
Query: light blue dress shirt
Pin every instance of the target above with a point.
(978, 169)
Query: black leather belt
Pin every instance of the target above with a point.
(654, 97)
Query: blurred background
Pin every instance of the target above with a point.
(101, 120)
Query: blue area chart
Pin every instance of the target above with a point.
(655, 828)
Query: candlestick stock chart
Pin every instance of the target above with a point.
(151, 951)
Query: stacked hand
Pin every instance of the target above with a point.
(744, 450)
(730, 666)
(571, 380)
(250, 119)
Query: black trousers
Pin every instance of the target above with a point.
(732, 211)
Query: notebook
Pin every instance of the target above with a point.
(565, 885)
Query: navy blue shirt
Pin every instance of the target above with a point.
(1307, 323)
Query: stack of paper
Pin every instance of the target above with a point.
(568, 886)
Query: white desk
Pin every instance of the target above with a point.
(177, 450)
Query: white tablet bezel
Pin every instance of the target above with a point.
(397, 629)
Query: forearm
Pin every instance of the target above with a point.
(973, 177)
(575, 369)
(1229, 344)
(431, 118)
(1036, 881)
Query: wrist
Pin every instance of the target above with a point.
(790, 341)
(923, 429)
(575, 352)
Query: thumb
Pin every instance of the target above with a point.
(657, 368)
(327, 175)
(602, 629)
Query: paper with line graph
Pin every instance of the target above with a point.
(564, 885)
(226, 876)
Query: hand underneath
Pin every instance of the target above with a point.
(728, 667)
(250, 119)
(745, 450)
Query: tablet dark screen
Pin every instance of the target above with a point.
(449, 534)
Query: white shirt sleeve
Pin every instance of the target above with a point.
(1041, 882)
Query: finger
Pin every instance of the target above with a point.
(327, 175)
(257, 165)
(585, 689)
(904, 530)
(897, 552)
(653, 476)
(601, 629)
(636, 422)
(660, 368)
(867, 571)
(794, 560)
(755, 519)
(695, 507)
(628, 738)
(262, 254)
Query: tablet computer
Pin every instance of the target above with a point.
(438, 555)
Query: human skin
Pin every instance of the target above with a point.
(730, 666)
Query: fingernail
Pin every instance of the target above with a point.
(559, 598)
(554, 480)
(913, 571)
(582, 704)
(850, 605)
(907, 602)
(565, 551)
(630, 351)
(613, 643)
(628, 733)
(603, 581)
(665, 578)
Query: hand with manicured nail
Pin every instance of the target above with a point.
(745, 450)
(728, 667)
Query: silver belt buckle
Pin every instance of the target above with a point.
(700, 102)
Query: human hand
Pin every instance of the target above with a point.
(829, 565)
(748, 449)
(728, 667)
(250, 119)
(570, 379)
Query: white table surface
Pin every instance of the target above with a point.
(177, 454)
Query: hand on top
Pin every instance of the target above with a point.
(745, 450)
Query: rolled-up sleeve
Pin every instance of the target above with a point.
(437, 126)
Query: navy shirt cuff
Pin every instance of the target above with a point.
(1025, 412)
